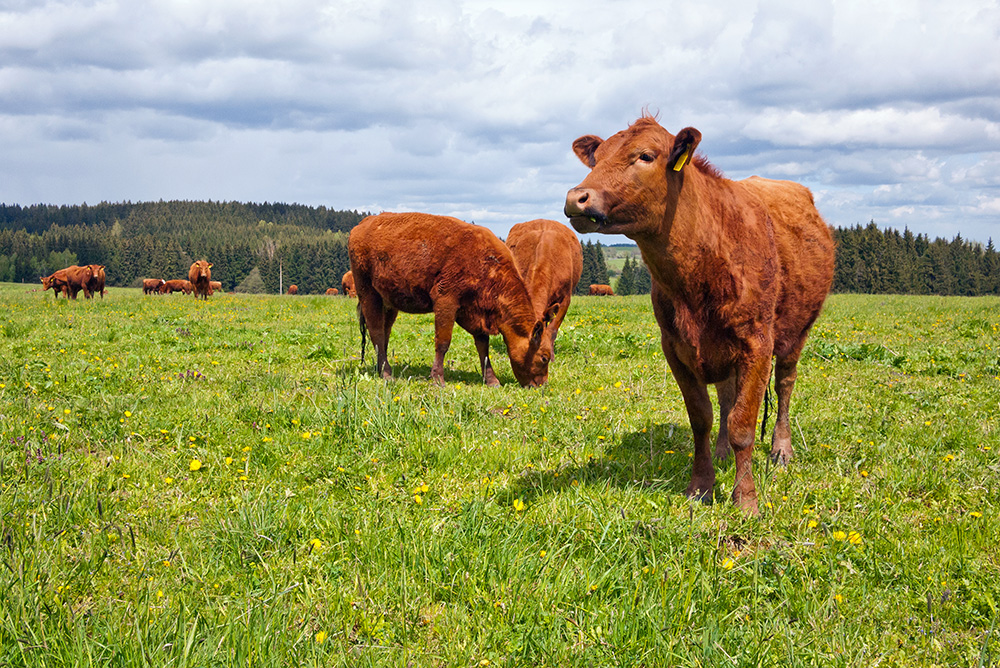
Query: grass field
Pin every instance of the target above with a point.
(223, 484)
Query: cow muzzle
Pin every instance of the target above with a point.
(584, 210)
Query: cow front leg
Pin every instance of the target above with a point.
(375, 322)
(483, 348)
(699, 410)
(444, 324)
(751, 380)
(785, 373)
(726, 393)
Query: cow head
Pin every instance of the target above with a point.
(635, 178)
(530, 356)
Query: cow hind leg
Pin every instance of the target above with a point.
(726, 392)
(444, 325)
(785, 373)
(751, 380)
(375, 317)
(483, 348)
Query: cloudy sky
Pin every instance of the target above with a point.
(887, 110)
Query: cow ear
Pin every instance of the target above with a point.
(210, 265)
(685, 143)
(536, 334)
(550, 313)
(585, 147)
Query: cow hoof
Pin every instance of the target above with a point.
(722, 450)
(781, 455)
(700, 491)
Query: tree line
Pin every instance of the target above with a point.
(259, 247)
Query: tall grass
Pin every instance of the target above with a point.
(223, 484)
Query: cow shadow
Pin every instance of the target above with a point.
(656, 458)
(419, 373)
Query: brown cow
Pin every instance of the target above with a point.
(601, 290)
(419, 263)
(347, 285)
(96, 283)
(151, 285)
(216, 286)
(176, 285)
(293, 289)
(332, 292)
(200, 277)
(550, 260)
(70, 281)
(740, 272)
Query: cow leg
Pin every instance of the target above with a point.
(699, 410)
(751, 380)
(376, 319)
(785, 373)
(483, 348)
(444, 324)
(726, 393)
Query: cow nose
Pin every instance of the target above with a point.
(576, 201)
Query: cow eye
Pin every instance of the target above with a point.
(646, 156)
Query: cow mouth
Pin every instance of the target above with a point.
(587, 221)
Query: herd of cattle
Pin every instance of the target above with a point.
(740, 272)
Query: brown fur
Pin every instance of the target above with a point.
(740, 272)
(96, 283)
(550, 260)
(419, 263)
(176, 285)
(216, 286)
(151, 285)
(200, 277)
(332, 292)
(601, 290)
(347, 285)
(70, 281)
(293, 289)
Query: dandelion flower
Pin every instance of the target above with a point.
(976, 514)
(728, 564)
(168, 480)
(419, 500)
(518, 505)
(812, 524)
(316, 543)
(838, 598)
(854, 538)
(320, 637)
(839, 535)
(195, 464)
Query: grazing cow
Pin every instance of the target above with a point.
(332, 292)
(419, 263)
(216, 286)
(601, 290)
(293, 289)
(151, 285)
(176, 285)
(740, 272)
(200, 277)
(347, 285)
(550, 260)
(70, 281)
(96, 282)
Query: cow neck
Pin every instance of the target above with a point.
(517, 314)
(685, 255)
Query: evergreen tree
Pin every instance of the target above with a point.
(626, 283)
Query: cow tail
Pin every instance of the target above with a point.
(364, 330)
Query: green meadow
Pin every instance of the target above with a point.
(223, 483)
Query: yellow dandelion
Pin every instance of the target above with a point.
(320, 636)
(728, 564)
(812, 524)
(168, 480)
(316, 543)
(306, 435)
(839, 535)
(976, 514)
(419, 500)
(195, 464)
(66, 411)
(542, 554)
(838, 598)
(128, 413)
(948, 457)
(229, 460)
(518, 505)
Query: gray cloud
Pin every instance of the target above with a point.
(889, 112)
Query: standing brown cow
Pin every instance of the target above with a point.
(419, 263)
(176, 285)
(601, 290)
(550, 260)
(96, 282)
(293, 289)
(70, 281)
(740, 272)
(200, 277)
(151, 285)
(347, 285)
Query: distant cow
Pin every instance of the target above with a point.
(347, 285)
(601, 289)
(176, 285)
(70, 281)
(420, 263)
(96, 283)
(200, 276)
(550, 260)
(293, 289)
(740, 272)
(151, 285)
(216, 286)
(332, 292)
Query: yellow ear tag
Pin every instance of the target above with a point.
(681, 161)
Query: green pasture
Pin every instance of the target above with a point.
(222, 483)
